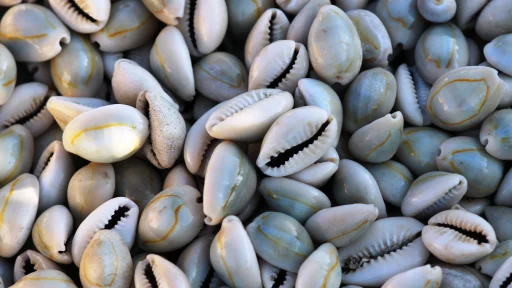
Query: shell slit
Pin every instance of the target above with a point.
(28, 267)
(275, 83)
(150, 276)
(24, 119)
(209, 277)
(270, 30)
(46, 162)
(191, 14)
(120, 213)
(477, 236)
(280, 279)
(437, 206)
(507, 281)
(81, 12)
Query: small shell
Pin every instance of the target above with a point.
(280, 65)
(467, 157)
(106, 262)
(232, 255)
(474, 205)
(433, 192)
(31, 261)
(322, 267)
(155, 271)
(393, 178)
(504, 195)
(369, 97)
(204, 25)
(220, 76)
(402, 21)
(139, 55)
(441, 48)
(378, 141)
(19, 200)
(496, 53)
(490, 263)
(130, 25)
(333, 28)
(6, 273)
(459, 237)
(38, 39)
(467, 12)
(167, 11)
(127, 129)
(45, 279)
(248, 116)
(119, 215)
(272, 233)
(51, 233)
(354, 184)
(292, 197)
(301, 24)
(271, 26)
(375, 39)
(502, 276)
(291, 6)
(496, 136)
(82, 16)
(54, 133)
(243, 14)
(494, 19)
(318, 173)
(27, 106)
(463, 97)
(65, 109)
(230, 182)
(17, 150)
(499, 217)
(179, 176)
(90, 187)
(78, 70)
(341, 225)
(270, 275)
(437, 11)
(419, 148)
(389, 247)
(421, 277)
(412, 94)
(8, 74)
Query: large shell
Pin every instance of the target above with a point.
(301, 24)
(232, 255)
(437, 11)
(466, 156)
(296, 140)
(502, 276)
(45, 279)
(156, 271)
(130, 25)
(318, 173)
(393, 178)
(230, 182)
(19, 200)
(496, 136)
(322, 267)
(119, 215)
(280, 65)
(106, 262)
(464, 97)
(65, 109)
(243, 14)
(82, 16)
(167, 11)
(40, 36)
(389, 247)
(493, 21)
(171, 219)
(86, 135)
(248, 116)
(490, 263)
(31, 261)
(17, 150)
(8, 75)
(496, 53)
(412, 94)
(499, 217)
(421, 277)
(333, 28)
(459, 237)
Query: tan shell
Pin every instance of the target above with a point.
(29, 262)
(161, 272)
(82, 16)
(8, 74)
(45, 279)
(64, 109)
(17, 146)
(167, 11)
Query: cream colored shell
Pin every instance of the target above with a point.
(167, 11)
(45, 279)
(8, 74)
(64, 109)
(35, 262)
(421, 277)
(321, 269)
(164, 272)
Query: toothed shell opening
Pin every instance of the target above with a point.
(290, 72)
(412, 94)
(444, 202)
(471, 231)
(31, 113)
(45, 159)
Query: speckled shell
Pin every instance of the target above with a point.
(17, 146)
(19, 200)
(243, 14)
(232, 255)
(130, 25)
(90, 187)
(40, 143)
(467, 157)
(292, 197)
(467, 11)
(375, 40)
(500, 278)
(271, 26)
(421, 277)
(341, 225)
(78, 70)
(369, 97)
(493, 21)
(496, 136)
(208, 20)
(27, 99)
(64, 109)
(504, 195)
(36, 260)
(248, 116)
(165, 273)
(118, 214)
(333, 28)
(449, 236)
(441, 48)
(318, 173)
(38, 39)
(291, 6)
(389, 247)
(45, 279)
(496, 53)
(82, 16)
(490, 263)
(230, 182)
(463, 97)
(412, 94)
(220, 76)
(474, 205)
(194, 261)
(354, 184)
(419, 147)
(378, 141)
(106, 262)
(127, 131)
(402, 21)
(173, 67)
(167, 11)
(299, 28)
(433, 192)
(499, 217)
(393, 179)
(271, 234)
(321, 268)
(179, 176)
(6, 273)
(269, 275)
(8, 72)
(139, 55)
(51, 233)
(279, 65)
(437, 11)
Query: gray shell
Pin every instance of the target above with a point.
(499, 217)
(393, 178)
(496, 136)
(497, 53)
(490, 263)
(504, 195)
(474, 205)
(437, 11)
(494, 20)
(244, 13)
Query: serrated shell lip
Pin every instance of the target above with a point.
(97, 10)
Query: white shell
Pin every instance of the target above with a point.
(8, 75)
(421, 277)
(321, 269)
(45, 279)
